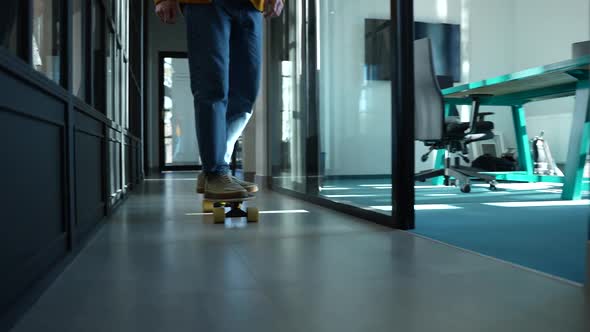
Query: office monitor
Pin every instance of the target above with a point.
(446, 47)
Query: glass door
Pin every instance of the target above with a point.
(341, 108)
(178, 146)
(287, 100)
(355, 123)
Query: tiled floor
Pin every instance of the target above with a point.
(157, 265)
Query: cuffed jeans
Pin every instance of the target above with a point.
(225, 54)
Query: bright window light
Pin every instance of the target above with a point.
(442, 9)
(375, 185)
(332, 188)
(359, 195)
(168, 103)
(179, 179)
(430, 187)
(261, 212)
(540, 203)
(465, 68)
(422, 207)
(284, 212)
(382, 207)
(523, 186)
(551, 191)
(382, 187)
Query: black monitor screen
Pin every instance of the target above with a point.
(446, 47)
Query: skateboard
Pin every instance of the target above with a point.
(217, 206)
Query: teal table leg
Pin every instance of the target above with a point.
(525, 158)
(578, 144)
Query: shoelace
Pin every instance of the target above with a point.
(226, 178)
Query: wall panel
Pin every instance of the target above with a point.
(89, 173)
(32, 196)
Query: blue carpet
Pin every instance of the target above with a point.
(548, 239)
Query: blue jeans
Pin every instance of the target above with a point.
(225, 54)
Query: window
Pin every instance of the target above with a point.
(9, 25)
(110, 66)
(46, 42)
(98, 72)
(78, 48)
(117, 85)
(126, 95)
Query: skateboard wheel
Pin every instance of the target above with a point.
(219, 215)
(207, 206)
(252, 214)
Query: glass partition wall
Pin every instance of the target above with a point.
(288, 106)
(526, 63)
(484, 43)
(334, 136)
(354, 67)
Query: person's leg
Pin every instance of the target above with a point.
(244, 74)
(208, 31)
(208, 35)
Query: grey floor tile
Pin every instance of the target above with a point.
(156, 266)
(130, 307)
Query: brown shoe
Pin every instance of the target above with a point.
(223, 186)
(249, 186)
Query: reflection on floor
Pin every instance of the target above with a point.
(522, 223)
(159, 265)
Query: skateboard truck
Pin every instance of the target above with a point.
(236, 211)
(217, 206)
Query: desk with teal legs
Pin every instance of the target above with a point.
(562, 79)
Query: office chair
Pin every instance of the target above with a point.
(439, 132)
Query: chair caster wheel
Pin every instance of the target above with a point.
(466, 188)
(493, 185)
